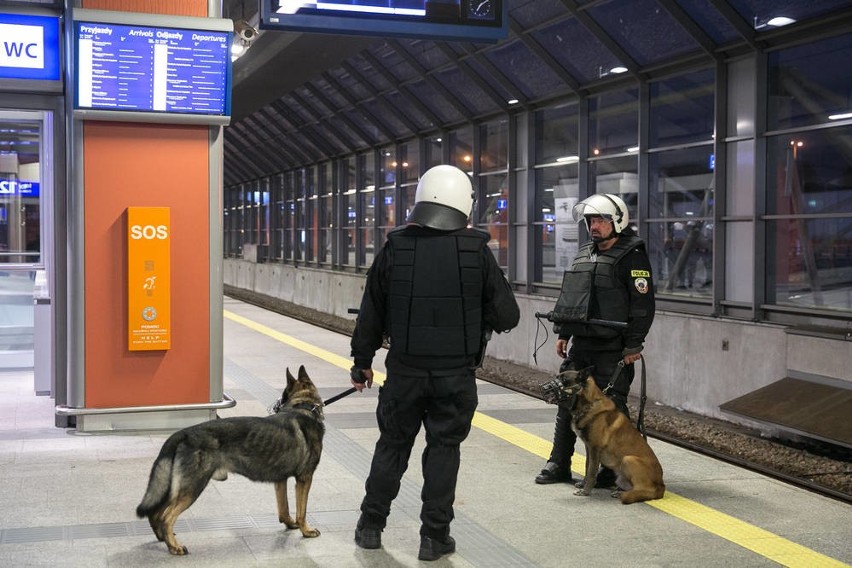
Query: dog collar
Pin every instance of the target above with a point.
(314, 408)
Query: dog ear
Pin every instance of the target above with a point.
(303, 374)
(586, 372)
(290, 380)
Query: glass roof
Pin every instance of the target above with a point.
(398, 89)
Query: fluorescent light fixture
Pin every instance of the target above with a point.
(513, 101)
(842, 116)
(568, 159)
(618, 69)
(779, 21)
(633, 149)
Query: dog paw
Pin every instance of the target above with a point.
(310, 532)
(616, 494)
(581, 492)
(580, 484)
(178, 550)
(289, 522)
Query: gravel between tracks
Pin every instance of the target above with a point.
(833, 471)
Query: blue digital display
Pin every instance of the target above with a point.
(463, 20)
(29, 47)
(152, 69)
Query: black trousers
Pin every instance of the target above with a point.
(605, 362)
(445, 407)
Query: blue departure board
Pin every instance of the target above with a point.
(464, 20)
(148, 69)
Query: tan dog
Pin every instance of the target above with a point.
(611, 440)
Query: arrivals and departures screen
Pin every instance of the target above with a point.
(153, 69)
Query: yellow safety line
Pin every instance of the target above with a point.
(748, 536)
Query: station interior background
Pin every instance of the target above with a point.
(725, 125)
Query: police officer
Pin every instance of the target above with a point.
(610, 279)
(436, 291)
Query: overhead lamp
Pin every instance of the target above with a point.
(841, 116)
(512, 101)
(774, 22)
(618, 69)
(568, 159)
(633, 149)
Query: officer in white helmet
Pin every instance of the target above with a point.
(436, 291)
(610, 280)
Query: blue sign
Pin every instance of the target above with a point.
(18, 187)
(29, 47)
(143, 68)
(712, 162)
(502, 203)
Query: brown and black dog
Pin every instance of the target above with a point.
(611, 440)
(271, 449)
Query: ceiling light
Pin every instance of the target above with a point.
(841, 116)
(633, 149)
(779, 21)
(569, 159)
(618, 69)
(513, 101)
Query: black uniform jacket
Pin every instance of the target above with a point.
(500, 311)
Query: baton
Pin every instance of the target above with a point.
(337, 397)
(556, 318)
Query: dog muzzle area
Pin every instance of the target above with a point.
(559, 389)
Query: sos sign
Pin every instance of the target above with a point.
(148, 279)
(149, 232)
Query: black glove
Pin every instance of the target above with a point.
(357, 375)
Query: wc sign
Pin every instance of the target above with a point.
(29, 47)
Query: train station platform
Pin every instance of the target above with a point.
(69, 499)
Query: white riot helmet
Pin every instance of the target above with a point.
(606, 205)
(443, 200)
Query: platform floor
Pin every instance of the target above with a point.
(68, 499)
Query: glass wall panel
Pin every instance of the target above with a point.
(434, 155)
(493, 201)
(325, 216)
(809, 185)
(461, 149)
(681, 186)
(682, 109)
(494, 154)
(557, 131)
(367, 198)
(810, 84)
(614, 123)
(409, 156)
(557, 191)
(348, 201)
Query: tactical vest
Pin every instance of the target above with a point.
(435, 296)
(590, 290)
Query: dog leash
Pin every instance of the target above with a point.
(640, 419)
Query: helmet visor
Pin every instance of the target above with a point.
(583, 209)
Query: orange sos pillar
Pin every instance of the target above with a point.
(172, 377)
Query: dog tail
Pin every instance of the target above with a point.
(160, 480)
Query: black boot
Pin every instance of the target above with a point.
(553, 473)
(432, 548)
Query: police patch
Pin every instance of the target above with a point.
(641, 284)
(640, 274)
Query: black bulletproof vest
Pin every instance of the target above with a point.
(435, 300)
(590, 290)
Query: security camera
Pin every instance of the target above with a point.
(245, 31)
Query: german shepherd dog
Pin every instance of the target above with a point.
(611, 440)
(271, 449)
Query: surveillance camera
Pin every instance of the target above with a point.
(245, 31)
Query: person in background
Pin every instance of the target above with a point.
(436, 291)
(610, 280)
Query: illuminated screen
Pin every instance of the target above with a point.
(154, 70)
(464, 20)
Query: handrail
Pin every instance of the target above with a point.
(227, 402)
